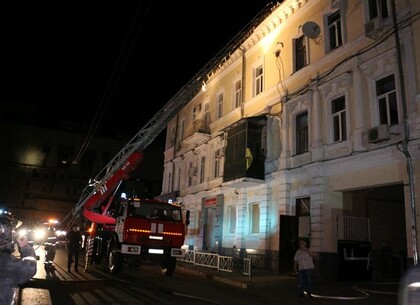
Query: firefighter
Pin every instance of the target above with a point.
(14, 271)
(74, 241)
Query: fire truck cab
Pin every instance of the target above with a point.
(145, 229)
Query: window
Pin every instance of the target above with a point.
(302, 136)
(303, 211)
(378, 8)
(259, 80)
(386, 97)
(178, 179)
(202, 169)
(232, 219)
(169, 182)
(238, 94)
(255, 218)
(196, 111)
(219, 109)
(217, 164)
(338, 113)
(300, 53)
(334, 30)
(191, 173)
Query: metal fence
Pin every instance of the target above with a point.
(218, 262)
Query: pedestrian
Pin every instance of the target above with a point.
(304, 265)
(74, 241)
(14, 270)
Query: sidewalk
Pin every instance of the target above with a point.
(284, 287)
(271, 284)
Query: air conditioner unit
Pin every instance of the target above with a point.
(378, 133)
(373, 28)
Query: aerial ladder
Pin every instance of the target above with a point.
(104, 184)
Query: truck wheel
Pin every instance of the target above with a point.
(168, 265)
(115, 260)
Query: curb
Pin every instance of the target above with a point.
(212, 277)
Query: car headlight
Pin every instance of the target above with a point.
(22, 232)
(39, 234)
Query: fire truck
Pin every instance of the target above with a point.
(145, 229)
(125, 231)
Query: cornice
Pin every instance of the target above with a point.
(280, 14)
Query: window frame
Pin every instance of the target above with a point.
(202, 169)
(337, 27)
(342, 117)
(255, 220)
(237, 100)
(216, 168)
(377, 6)
(386, 97)
(258, 79)
(304, 39)
(219, 105)
(299, 148)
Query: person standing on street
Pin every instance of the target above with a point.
(14, 271)
(303, 264)
(74, 241)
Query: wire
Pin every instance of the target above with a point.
(112, 84)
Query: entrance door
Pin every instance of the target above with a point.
(289, 242)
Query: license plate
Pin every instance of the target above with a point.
(130, 249)
(177, 252)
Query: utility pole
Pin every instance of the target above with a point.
(406, 139)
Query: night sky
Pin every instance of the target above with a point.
(118, 60)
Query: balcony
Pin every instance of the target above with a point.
(244, 155)
(198, 132)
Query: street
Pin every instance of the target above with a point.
(142, 285)
(147, 285)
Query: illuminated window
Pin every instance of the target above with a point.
(255, 217)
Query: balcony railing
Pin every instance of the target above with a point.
(199, 130)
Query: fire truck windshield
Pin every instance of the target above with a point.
(154, 210)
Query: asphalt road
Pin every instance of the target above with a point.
(147, 285)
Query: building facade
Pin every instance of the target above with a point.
(44, 171)
(309, 129)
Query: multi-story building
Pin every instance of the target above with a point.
(44, 171)
(308, 129)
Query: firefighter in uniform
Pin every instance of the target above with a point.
(74, 241)
(14, 271)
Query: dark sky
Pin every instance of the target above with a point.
(66, 60)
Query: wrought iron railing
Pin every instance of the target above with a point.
(218, 262)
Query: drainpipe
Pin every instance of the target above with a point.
(406, 139)
(173, 159)
(243, 80)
